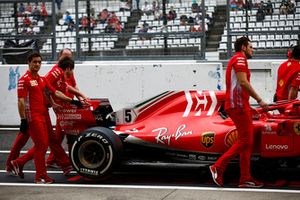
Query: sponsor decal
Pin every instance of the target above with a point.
(277, 147)
(72, 132)
(67, 110)
(88, 171)
(212, 158)
(202, 158)
(204, 102)
(297, 128)
(281, 82)
(96, 135)
(207, 139)
(231, 138)
(164, 137)
(178, 155)
(268, 130)
(33, 83)
(66, 123)
(69, 116)
(192, 157)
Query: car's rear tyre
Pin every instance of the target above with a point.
(96, 152)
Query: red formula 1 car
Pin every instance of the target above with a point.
(174, 127)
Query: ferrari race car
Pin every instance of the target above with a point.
(174, 127)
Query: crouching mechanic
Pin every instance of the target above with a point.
(35, 120)
(288, 77)
(61, 78)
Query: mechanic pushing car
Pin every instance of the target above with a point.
(22, 137)
(70, 89)
(238, 91)
(288, 78)
(35, 120)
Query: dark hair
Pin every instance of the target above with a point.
(33, 55)
(240, 42)
(296, 52)
(65, 63)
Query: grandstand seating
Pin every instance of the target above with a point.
(274, 22)
(173, 26)
(7, 20)
(8, 26)
(67, 39)
(176, 32)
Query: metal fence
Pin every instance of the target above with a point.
(165, 38)
(163, 42)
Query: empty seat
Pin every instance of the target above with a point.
(270, 44)
(277, 43)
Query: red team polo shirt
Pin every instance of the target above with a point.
(32, 89)
(236, 96)
(56, 78)
(288, 76)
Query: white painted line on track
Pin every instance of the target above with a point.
(23, 152)
(33, 171)
(10, 129)
(13, 129)
(152, 187)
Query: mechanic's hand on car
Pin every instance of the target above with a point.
(23, 126)
(76, 103)
(84, 99)
(56, 106)
(263, 105)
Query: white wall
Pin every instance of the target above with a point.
(127, 82)
(124, 83)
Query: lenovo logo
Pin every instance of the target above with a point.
(281, 147)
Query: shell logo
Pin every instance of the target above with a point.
(231, 137)
(297, 128)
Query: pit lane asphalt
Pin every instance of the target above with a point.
(132, 183)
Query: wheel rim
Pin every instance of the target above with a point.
(91, 154)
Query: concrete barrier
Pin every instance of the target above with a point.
(127, 82)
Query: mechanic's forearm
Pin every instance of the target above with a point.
(245, 84)
(21, 108)
(76, 92)
(61, 96)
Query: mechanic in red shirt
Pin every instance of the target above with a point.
(288, 78)
(69, 88)
(238, 91)
(33, 109)
(23, 137)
